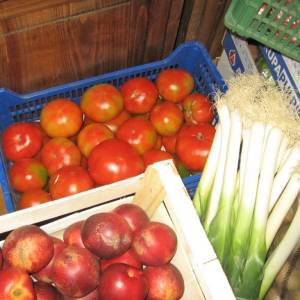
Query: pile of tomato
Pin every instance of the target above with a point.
(113, 134)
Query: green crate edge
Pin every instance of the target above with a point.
(244, 30)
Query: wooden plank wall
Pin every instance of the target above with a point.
(49, 42)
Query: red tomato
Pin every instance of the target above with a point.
(167, 118)
(169, 143)
(27, 174)
(140, 94)
(158, 143)
(60, 152)
(139, 133)
(92, 135)
(61, 118)
(116, 122)
(21, 140)
(174, 84)
(16, 284)
(197, 109)
(102, 102)
(114, 160)
(68, 181)
(33, 197)
(193, 145)
(155, 155)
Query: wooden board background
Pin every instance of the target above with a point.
(49, 42)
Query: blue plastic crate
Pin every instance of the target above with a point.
(191, 56)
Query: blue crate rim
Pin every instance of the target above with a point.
(135, 69)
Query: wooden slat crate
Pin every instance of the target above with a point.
(162, 194)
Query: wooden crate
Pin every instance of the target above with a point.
(162, 194)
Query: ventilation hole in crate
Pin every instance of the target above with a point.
(270, 13)
(115, 82)
(278, 16)
(36, 114)
(79, 92)
(286, 20)
(138, 75)
(285, 37)
(67, 94)
(268, 31)
(73, 93)
(277, 33)
(143, 74)
(287, 2)
(263, 8)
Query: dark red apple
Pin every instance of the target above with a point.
(106, 234)
(155, 244)
(72, 234)
(45, 274)
(135, 216)
(122, 282)
(46, 291)
(94, 295)
(15, 284)
(165, 282)
(75, 271)
(129, 258)
(29, 248)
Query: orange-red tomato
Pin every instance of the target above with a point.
(21, 140)
(68, 181)
(27, 174)
(92, 135)
(139, 133)
(114, 160)
(155, 155)
(167, 118)
(197, 109)
(116, 122)
(193, 145)
(140, 94)
(102, 102)
(33, 197)
(169, 143)
(158, 143)
(174, 84)
(60, 152)
(61, 118)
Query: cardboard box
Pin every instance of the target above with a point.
(161, 193)
(241, 56)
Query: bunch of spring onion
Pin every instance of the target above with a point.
(250, 181)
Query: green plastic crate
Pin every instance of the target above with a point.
(274, 23)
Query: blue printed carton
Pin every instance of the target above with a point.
(241, 56)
